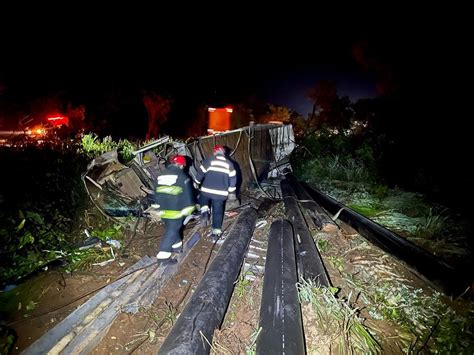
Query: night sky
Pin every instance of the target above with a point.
(276, 60)
(418, 61)
(280, 76)
(284, 84)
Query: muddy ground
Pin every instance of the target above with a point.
(58, 293)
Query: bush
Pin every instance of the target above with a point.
(327, 156)
(333, 167)
(41, 205)
(92, 146)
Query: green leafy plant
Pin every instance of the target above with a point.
(240, 288)
(33, 243)
(85, 259)
(380, 192)
(337, 262)
(46, 201)
(92, 146)
(367, 211)
(432, 226)
(106, 231)
(323, 245)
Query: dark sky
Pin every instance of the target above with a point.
(277, 56)
(281, 75)
(418, 56)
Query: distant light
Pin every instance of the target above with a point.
(211, 109)
(229, 109)
(36, 131)
(58, 120)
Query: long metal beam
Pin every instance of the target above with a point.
(311, 262)
(280, 314)
(418, 260)
(319, 216)
(204, 312)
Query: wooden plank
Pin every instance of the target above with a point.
(77, 317)
(84, 328)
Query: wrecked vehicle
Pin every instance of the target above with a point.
(119, 190)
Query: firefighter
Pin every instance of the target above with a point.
(174, 200)
(217, 177)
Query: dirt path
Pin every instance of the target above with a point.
(369, 280)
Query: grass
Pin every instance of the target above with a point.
(432, 226)
(408, 203)
(349, 180)
(323, 245)
(157, 318)
(431, 322)
(171, 313)
(337, 319)
(215, 347)
(337, 262)
(345, 167)
(242, 283)
(427, 319)
(398, 222)
(334, 167)
(405, 213)
(251, 348)
(85, 259)
(367, 211)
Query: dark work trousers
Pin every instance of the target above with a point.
(172, 233)
(217, 208)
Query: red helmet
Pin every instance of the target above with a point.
(219, 149)
(178, 160)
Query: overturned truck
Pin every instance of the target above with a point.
(120, 190)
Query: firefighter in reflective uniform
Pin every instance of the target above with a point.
(217, 177)
(174, 200)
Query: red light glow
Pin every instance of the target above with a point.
(58, 120)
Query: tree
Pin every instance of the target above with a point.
(274, 113)
(323, 95)
(280, 113)
(329, 109)
(158, 107)
(340, 114)
(76, 116)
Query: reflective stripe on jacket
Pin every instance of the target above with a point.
(174, 193)
(217, 177)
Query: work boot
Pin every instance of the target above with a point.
(164, 258)
(177, 247)
(204, 219)
(216, 234)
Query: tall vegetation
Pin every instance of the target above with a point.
(43, 202)
(350, 169)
